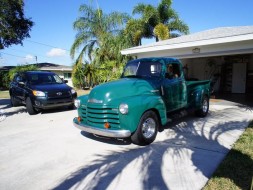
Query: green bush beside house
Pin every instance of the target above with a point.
(7, 76)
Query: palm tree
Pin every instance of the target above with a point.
(93, 27)
(161, 22)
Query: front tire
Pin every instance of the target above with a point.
(203, 111)
(29, 107)
(147, 129)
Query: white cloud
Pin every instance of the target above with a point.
(29, 58)
(56, 52)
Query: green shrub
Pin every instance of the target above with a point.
(4, 80)
(21, 68)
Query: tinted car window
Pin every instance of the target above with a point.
(19, 78)
(44, 78)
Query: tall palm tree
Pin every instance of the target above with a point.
(93, 27)
(157, 21)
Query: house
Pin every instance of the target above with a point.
(224, 55)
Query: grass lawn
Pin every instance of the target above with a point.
(236, 170)
(4, 94)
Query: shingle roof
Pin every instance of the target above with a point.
(44, 67)
(216, 33)
(6, 68)
(53, 67)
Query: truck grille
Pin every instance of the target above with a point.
(98, 116)
(58, 94)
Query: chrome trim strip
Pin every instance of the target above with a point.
(102, 132)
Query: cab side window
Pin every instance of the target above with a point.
(173, 71)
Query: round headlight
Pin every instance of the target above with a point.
(77, 103)
(123, 108)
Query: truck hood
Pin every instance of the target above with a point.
(121, 89)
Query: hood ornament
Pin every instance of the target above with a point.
(95, 101)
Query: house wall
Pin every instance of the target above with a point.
(204, 68)
(201, 68)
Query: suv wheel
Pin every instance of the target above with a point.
(29, 107)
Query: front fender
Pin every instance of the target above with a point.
(137, 106)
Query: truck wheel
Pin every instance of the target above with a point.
(202, 112)
(29, 107)
(14, 102)
(147, 129)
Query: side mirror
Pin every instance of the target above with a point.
(21, 83)
(65, 81)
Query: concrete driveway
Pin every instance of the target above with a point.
(45, 151)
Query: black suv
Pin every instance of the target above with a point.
(40, 90)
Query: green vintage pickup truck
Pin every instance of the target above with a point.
(140, 103)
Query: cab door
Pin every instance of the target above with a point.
(175, 91)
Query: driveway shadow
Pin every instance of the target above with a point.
(202, 137)
(107, 140)
(56, 110)
(5, 106)
(5, 103)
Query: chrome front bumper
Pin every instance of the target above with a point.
(102, 132)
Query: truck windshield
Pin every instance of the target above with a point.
(44, 78)
(142, 69)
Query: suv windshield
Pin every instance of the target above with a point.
(44, 78)
(142, 69)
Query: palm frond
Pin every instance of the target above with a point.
(178, 25)
(139, 9)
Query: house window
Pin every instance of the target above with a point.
(67, 75)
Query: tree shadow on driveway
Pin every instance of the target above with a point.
(190, 146)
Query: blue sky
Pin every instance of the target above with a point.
(53, 34)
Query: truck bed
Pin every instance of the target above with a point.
(195, 90)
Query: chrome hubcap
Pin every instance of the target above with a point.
(205, 106)
(148, 127)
